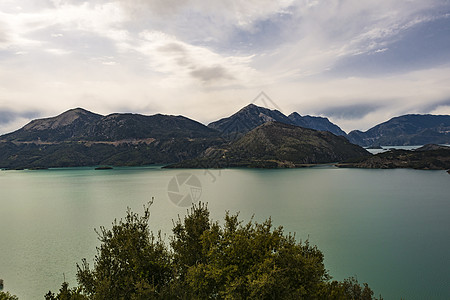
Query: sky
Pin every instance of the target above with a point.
(359, 63)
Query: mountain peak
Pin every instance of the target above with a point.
(62, 120)
(77, 110)
(251, 116)
(294, 115)
(250, 106)
(248, 118)
(254, 107)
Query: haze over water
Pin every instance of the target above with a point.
(389, 228)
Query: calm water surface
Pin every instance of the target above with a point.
(390, 228)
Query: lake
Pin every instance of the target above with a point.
(390, 228)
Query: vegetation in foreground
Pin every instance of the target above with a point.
(205, 260)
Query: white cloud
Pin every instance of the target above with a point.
(206, 59)
(229, 13)
(376, 99)
(57, 51)
(327, 32)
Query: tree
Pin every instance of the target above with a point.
(243, 261)
(66, 294)
(206, 260)
(131, 262)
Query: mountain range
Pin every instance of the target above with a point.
(253, 116)
(81, 138)
(412, 129)
(81, 125)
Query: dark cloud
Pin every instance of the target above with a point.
(350, 112)
(8, 116)
(179, 53)
(203, 73)
(174, 48)
(209, 74)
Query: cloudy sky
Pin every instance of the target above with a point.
(357, 62)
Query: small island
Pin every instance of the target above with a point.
(38, 168)
(104, 168)
(375, 147)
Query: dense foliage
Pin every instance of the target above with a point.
(206, 260)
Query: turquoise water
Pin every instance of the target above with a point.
(390, 228)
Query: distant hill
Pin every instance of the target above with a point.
(81, 138)
(428, 157)
(406, 130)
(275, 144)
(252, 116)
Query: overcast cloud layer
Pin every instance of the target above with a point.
(357, 62)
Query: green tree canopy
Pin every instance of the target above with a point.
(206, 260)
(7, 296)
